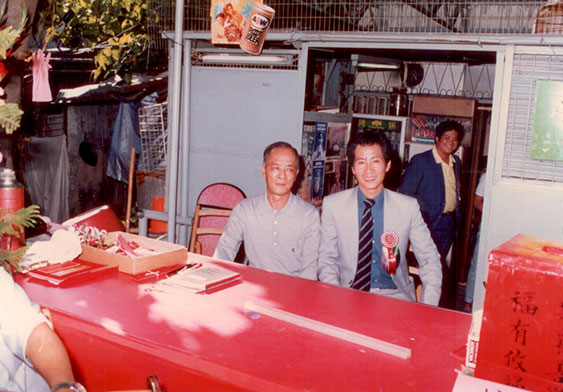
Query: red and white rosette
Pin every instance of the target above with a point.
(390, 255)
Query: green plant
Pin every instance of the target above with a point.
(10, 113)
(14, 224)
(117, 28)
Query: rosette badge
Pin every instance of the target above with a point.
(390, 255)
(389, 239)
(255, 30)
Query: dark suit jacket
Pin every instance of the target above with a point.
(424, 180)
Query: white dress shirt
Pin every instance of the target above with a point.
(18, 317)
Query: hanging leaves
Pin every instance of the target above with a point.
(12, 223)
(10, 113)
(117, 25)
(10, 116)
(9, 34)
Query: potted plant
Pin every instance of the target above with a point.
(12, 223)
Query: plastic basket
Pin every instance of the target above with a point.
(153, 127)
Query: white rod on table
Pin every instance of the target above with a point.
(331, 330)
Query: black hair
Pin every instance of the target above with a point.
(450, 125)
(275, 145)
(369, 138)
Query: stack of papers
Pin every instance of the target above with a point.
(202, 278)
(71, 272)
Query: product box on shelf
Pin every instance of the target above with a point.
(134, 254)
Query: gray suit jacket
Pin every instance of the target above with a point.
(338, 253)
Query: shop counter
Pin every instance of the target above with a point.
(119, 329)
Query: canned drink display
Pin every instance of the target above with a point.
(255, 30)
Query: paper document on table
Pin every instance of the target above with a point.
(465, 383)
(202, 278)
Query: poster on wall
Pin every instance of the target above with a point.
(319, 154)
(307, 147)
(317, 183)
(392, 126)
(228, 18)
(324, 167)
(335, 176)
(547, 132)
(337, 137)
(319, 151)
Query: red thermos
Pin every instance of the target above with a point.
(11, 199)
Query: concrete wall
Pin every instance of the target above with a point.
(235, 114)
(89, 186)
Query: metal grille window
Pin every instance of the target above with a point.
(447, 79)
(380, 16)
(528, 69)
(160, 18)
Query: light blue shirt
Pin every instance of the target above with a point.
(379, 277)
(18, 318)
(284, 241)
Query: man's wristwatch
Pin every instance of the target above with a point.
(73, 386)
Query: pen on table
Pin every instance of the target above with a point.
(184, 267)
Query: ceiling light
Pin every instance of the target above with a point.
(230, 58)
(375, 63)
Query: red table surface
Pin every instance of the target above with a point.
(118, 331)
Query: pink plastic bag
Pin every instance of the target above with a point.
(40, 71)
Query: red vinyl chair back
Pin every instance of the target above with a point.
(212, 211)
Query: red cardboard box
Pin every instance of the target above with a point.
(521, 342)
(166, 254)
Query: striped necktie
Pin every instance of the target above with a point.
(363, 273)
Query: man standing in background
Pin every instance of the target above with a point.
(433, 177)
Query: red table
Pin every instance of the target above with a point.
(119, 330)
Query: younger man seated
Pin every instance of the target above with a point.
(365, 230)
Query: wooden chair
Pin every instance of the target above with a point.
(212, 211)
(414, 273)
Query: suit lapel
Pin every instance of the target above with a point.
(390, 211)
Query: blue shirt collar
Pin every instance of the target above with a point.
(362, 197)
